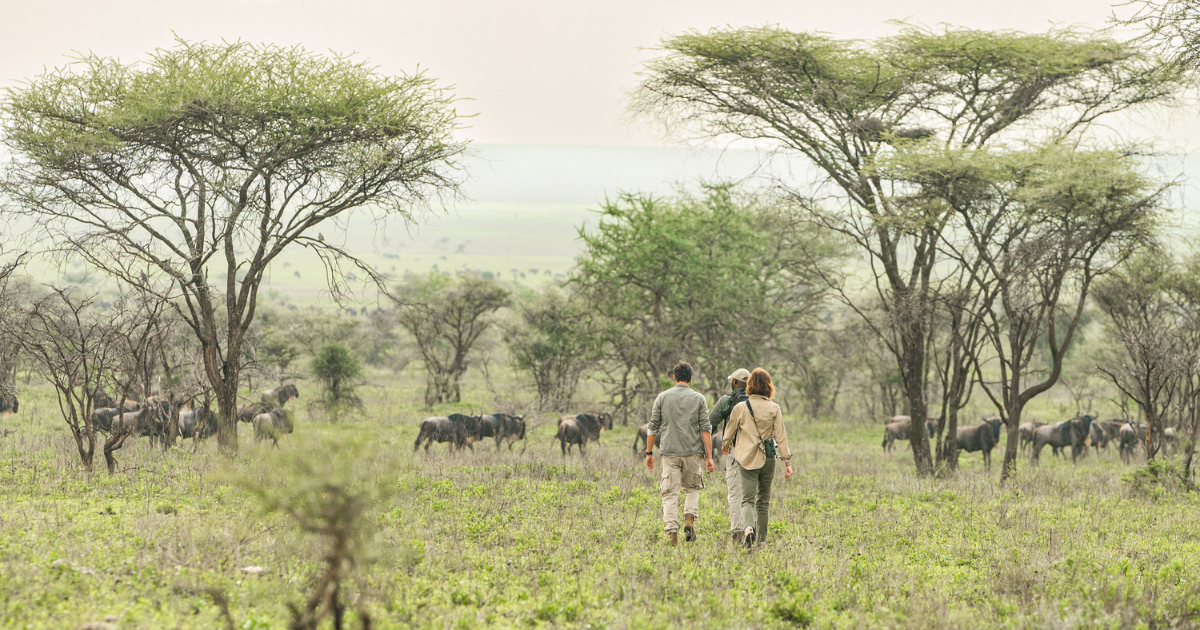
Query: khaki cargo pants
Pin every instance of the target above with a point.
(686, 473)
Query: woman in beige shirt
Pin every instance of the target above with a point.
(751, 424)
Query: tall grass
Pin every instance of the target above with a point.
(509, 539)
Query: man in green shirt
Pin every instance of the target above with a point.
(733, 476)
(680, 416)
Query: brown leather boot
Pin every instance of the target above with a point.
(674, 538)
(689, 532)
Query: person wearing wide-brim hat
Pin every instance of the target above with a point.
(733, 475)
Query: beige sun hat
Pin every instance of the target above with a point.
(740, 374)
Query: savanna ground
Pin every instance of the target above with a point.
(487, 539)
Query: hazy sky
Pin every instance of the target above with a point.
(536, 71)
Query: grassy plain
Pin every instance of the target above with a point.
(487, 539)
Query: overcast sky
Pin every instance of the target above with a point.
(535, 71)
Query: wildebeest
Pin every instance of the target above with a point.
(9, 404)
(246, 413)
(983, 437)
(279, 396)
(1025, 433)
(102, 418)
(581, 429)
(145, 422)
(456, 429)
(502, 427)
(101, 399)
(198, 423)
(271, 425)
(1073, 433)
(1128, 436)
(640, 436)
(899, 429)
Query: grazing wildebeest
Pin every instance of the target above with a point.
(1128, 441)
(642, 432)
(198, 423)
(271, 425)
(456, 429)
(1073, 433)
(983, 437)
(9, 404)
(102, 419)
(246, 413)
(279, 396)
(144, 422)
(1170, 440)
(101, 399)
(502, 427)
(899, 429)
(1025, 433)
(581, 429)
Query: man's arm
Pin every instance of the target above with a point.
(705, 434)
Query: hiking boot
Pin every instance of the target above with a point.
(749, 538)
(689, 533)
(738, 537)
(674, 538)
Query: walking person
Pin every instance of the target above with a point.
(680, 416)
(756, 425)
(719, 418)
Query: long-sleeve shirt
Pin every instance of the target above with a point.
(721, 410)
(766, 423)
(679, 416)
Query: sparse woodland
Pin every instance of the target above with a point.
(980, 245)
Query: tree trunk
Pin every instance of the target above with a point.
(1011, 442)
(1191, 445)
(913, 375)
(951, 440)
(227, 437)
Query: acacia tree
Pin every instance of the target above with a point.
(842, 104)
(185, 175)
(1142, 315)
(551, 342)
(446, 316)
(714, 278)
(75, 346)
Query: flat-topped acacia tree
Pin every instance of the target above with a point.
(842, 105)
(185, 175)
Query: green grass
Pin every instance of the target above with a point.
(487, 539)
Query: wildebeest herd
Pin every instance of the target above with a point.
(148, 417)
(1077, 434)
(462, 430)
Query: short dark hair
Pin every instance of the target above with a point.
(760, 384)
(682, 372)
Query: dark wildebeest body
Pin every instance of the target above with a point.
(1072, 433)
(144, 422)
(1128, 441)
(1026, 431)
(269, 426)
(983, 437)
(581, 429)
(246, 413)
(642, 433)
(456, 429)
(900, 428)
(279, 396)
(197, 423)
(502, 427)
(102, 419)
(9, 404)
